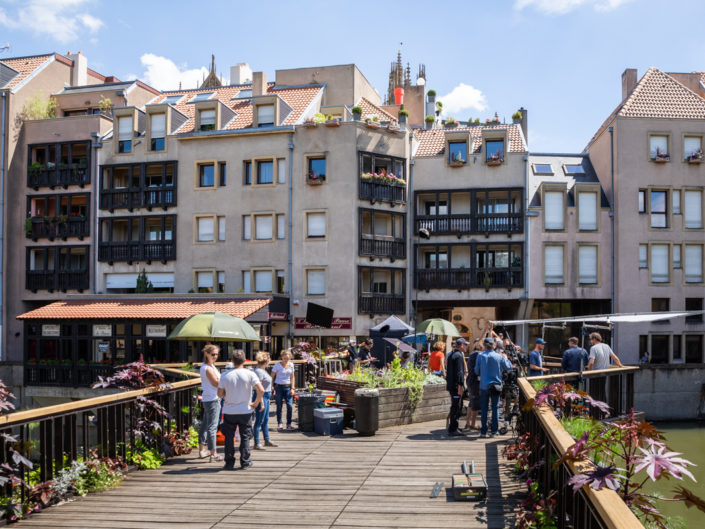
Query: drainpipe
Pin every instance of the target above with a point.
(613, 334)
(527, 238)
(3, 140)
(411, 254)
(290, 237)
(95, 186)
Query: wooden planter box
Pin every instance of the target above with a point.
(345, 388)
(333, 123)
(456, 164)
(394, 406)
(494, 162)
(694, 160)
(372, 124)
(661, 160)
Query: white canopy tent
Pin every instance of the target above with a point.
(630, 317)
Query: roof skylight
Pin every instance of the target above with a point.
(543, 168)
(171, 100)
(201, 97)
(571, 169)
(242, 94)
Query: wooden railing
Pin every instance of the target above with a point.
(378, 192)
(381, 303)
(61, 175)
(382, 246)
(56, 280)
(462, 278)
(587, 508)
(137, 251)
(459, 224)
(150, 197)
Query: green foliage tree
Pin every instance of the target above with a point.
(144, 285)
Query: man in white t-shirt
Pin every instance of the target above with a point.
(236, 387)
(600, 354)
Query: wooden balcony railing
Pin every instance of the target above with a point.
(378, 192)
(471, 224)
(130, 252)
(381, 303)
(462, 278)
(378, 246)
(57, 280)
(130, 199)
(61, 175)
(587, 508)
(53, 228)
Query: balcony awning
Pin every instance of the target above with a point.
(634, 317)
(146, 309)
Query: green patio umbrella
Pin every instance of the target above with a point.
(214, 327)
(438, 327)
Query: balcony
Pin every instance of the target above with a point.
(466, 278)
(130, 199)
(52, 175)
(369, 303)
(381, 192)
(57, 280)
(64, 374)
(130, 252)
(61, 227)
(382, 246)
(467, 224)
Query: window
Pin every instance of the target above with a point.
(172, 100)
(221, 228)
(439, 208)
(659, 348)
(553, 264)
(676, 202)
(263, 281)
(658, 209)
(676, 256)
(553, 210)
(658, 147)
(694, 348)
(204, 282)
(316, 170)
(315, 282)
(457, 152)
(205, 229)
(207, 119)
(247, 174)
(221, 282)
(660, 304)
(265, 115)
(693, 201)
(315, 225)
(157, 132)
(587, 265)
(222, 174)
(243, 94)
(543, 168)
(677, 355)
(281, 171)
(587, 211)
(694, 304)
(573, 169)
(206, 175)
(692, 148)
(642, 201)
(643, 259)
(265, 172)
(659, 263)
(281, 228)
(246, 227)
(693, 263)
(201, 97)
(281, 282)
(246, 281)
(263, 227)
(494, 151)
(125, 134)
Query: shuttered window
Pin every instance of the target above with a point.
(204, 281)
(659, 263)
(692, 145)
(265, 115)
(281, 228)
(553, 210)
(658, 145)
(693, 217)
(246, 281)
(553, 264)
(316, 225)
(125, 134)
(247, 227)
(587, 211)
(587, 264)
(263, 281)
(693, 263)
(315, 282)
(207, 119)
(205, 229)
(263, 227)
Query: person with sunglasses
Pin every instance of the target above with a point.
(210, 376)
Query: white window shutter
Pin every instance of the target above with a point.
(281, 171)
(246, 281)
(263, 227)
(263, 281)
(316, 224)
(693, 263)
(643, 256)
(587, 211)
(316, 282)
(204, 279)
(247, 228)
(265, 114)
(205, 229)
(587, 262)
(553, 263)
(691, 145)
(281, 227)
(221, 228)
(124, 128)
(658, 144)
(693, 209)
(553, 210)
(207, 117)
(158, 125)
(676, 256)
(659, 263)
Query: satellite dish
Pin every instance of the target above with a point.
(420, 81)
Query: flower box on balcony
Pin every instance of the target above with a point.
(393, 128)
(315, 181)
(695, 160)
(372, 124)
(333, 123)
(383, 178)
(457, 163)
(310, 124)
(494, 161)
(661, 158)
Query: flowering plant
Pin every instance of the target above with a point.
(495, 157)
(661, 155)
(383, 178)
(697, 155)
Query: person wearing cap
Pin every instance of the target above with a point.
(489, 367)
(536, 359)
(455, 383)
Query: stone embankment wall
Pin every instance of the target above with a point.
(673, 392)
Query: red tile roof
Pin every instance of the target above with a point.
(298, 98)
(24, 66)
(162, 309)
(658, 95)
(433, 141)
(369, 109)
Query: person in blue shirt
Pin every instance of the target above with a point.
(489, 367)
(575, 359)
(536, 359)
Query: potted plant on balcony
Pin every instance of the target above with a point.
(661, 157)
(357, 112)
(331, 121)
(495, 159)
(403, 115)
(62, 219)
(457, 160)
(372, 121)
(450, 122)
(28, 226)
(315, 179)
(310, 123)
(431, 96)
(35, 169)
(516, 117)
(696, 157)
(429, 121)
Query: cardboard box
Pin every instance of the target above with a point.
(471, 487)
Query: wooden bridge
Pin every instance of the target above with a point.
(313, 482)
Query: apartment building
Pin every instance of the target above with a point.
(655, 140)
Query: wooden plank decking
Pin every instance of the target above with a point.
(312, 482)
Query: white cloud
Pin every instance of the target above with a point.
(561, 7)
(463, 98)
(62, 20)
(164, 74)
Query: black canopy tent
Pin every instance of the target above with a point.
(392, 327)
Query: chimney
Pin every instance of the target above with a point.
(241, 73)
(79, 72)
(524, 123)
(259, 83)
(628, 82)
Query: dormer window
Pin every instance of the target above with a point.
(125, 134)
(457, 152)
(207, 120)
(265, 115)
(201, 97)
(157, 132)
(494, 152)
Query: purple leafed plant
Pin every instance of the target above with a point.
(565, 400)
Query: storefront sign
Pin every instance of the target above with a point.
(156, 331)
(336, 324)
(103, 347)
(277, 316)
(51, 330)
(102, 330)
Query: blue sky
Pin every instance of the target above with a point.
(561, 59)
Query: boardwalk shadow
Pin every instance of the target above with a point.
(194, 470)
(441, 434)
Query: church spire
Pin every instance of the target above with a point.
(211, 81)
